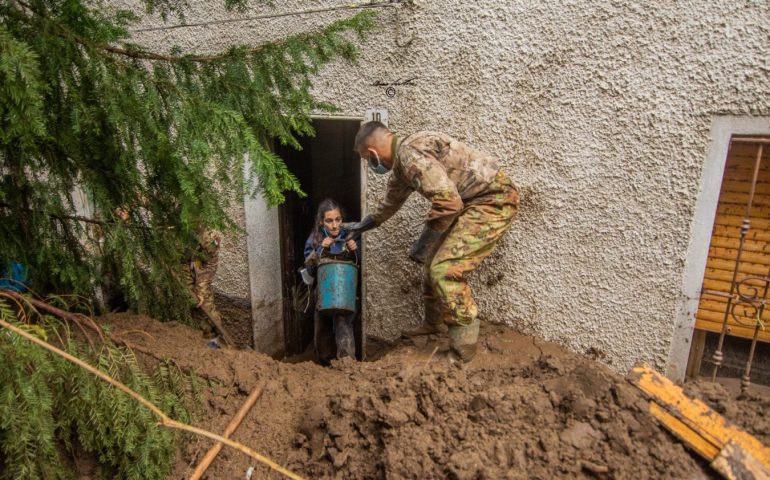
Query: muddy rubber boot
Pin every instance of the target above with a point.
(432, 324)
(463, 340)
(344, 337)
(424, 329)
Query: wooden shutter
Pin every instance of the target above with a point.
(725, 241)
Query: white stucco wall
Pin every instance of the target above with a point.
(264, 266)
(600, 111)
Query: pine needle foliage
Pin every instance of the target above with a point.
(164, 136)
(51, 409)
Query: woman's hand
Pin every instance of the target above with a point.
(326, 242)
(352, 245)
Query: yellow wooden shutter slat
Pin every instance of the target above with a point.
(726, 241)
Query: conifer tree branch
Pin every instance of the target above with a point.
(165, 420)
(77, 218)
(191, 138)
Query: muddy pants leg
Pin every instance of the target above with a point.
(323, 338)
(189, 276)
(434, 310)
(204, 276)
(433, 321)
(343, 335)
(471, 239)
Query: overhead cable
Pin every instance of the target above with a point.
(348, 6)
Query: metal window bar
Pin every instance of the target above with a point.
(744, 294)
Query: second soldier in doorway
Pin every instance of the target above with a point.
(200, 268)
(472, 204)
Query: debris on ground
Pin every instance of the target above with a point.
(730, 450)
(523, 408)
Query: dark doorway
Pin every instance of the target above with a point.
(326, 167)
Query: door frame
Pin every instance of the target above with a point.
(723, 128)
(289, 317)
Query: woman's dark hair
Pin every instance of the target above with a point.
(326, 205)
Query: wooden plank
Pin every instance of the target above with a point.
(712, 322)
(726, 257)
(740, 210)
(744, 268)
(718, 285)
(734, 186)
(710, 303)
(715, 326)
(743, 199)
(713, 303)
(744, 171)
(690, 437)
(745, 175)
(699, 420)
(734, 243)
(732, 254)
(746, 163)
(717, 316)
(229, 430)
(737, 220)
(747, 156)
(727, 276)
(734, 463)
(729, 231)
(747, 153)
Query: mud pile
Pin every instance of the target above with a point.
(748, 412)
(547, 419)
(522, 409)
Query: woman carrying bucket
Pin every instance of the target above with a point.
(336, 263)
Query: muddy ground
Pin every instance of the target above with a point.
(522, 409)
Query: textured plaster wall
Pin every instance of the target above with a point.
(600, 111)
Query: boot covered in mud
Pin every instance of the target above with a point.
(463, 340)
(432, 324)
(424, 329)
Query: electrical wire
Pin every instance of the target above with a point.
(349, 6)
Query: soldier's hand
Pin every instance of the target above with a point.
(356, 229)
(424, 245)
(327, 242)
(352, 245)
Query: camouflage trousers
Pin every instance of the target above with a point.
(469, 240)
(199, 276)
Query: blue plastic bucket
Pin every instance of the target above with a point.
(15, 277)
(337, 287)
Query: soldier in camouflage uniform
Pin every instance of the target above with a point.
(197, 271)
(472, 204)
(199, 274)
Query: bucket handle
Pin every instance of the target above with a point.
(345, 249)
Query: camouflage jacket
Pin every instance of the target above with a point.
(446, 171)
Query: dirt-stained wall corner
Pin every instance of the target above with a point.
(232, 293)
(600, 111)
